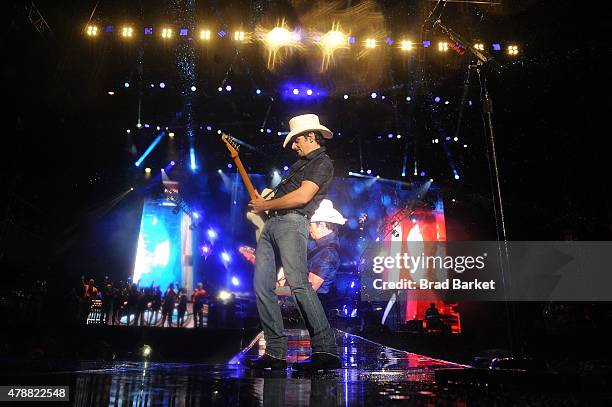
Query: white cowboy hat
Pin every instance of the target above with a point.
(327, 213)
(304, 123)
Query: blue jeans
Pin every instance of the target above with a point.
(287, 236)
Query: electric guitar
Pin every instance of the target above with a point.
(257, 219)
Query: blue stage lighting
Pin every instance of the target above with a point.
(368, 172)
(258, 91)
(268, 131)
(226, 257)
(209, 128)
(150, 148)
(211, 234)
(162, 85)
(172, 163)
(422, 173)
(127, 84)
(373, 95)
(389, 135)
(228, 88)
(235, 281)
(437, 99)
(285, 168)
(346, 97)
(195, 215)
(229, 166)
(309, 92)
(192, 159)
(426, 44)
(296, 91)
(456, 176)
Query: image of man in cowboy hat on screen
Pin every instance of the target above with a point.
(286, 233)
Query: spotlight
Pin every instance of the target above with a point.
(148, 170)
(368, 172)
(333, 40)
(224, 295)
(373, 95)
(296, 91)
(220, 89)
(278, 37)
(239, 36)
(513, 50)
(443, 46)
(285, 168)
(167, 33)
(111, 93)
(235, 281)
(162, 85)
(219, 171)
(212, 234)
(193, 88)
(230, 166)
(258, 91)
(437, 99)
(408, 98)
(171, 135)
(406, 45)
(146, 351)
(479, 46)
(205, 35)
(126, 85)
(126, 32)
(370, 43)
(172, 163)
(128, 131)
(228, 88)
(345, 97)
(91, 30)
(309, 92)
(456, 176)
(225, 257)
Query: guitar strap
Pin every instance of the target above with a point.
(286, 179)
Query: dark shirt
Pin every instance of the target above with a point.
(318, 168)
(323, 260)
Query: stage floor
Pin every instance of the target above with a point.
(373, 375)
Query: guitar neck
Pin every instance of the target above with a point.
(245, 178)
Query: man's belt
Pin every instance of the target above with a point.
(281, 212)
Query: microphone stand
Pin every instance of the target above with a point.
(484, 59)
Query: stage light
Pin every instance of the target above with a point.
(111, 93)
(228, 88)
(373, 95)
(91, 30)
(209, 128)
(333, 40)
(455, 138)
(139, 125)
(226, 257)
(167, 33)
(446, 102)
(268, 131)
(513, 50)
(496, 47)
(172, 163)
(126, 85)
(192, 159)
(370, 43)
(157, 128)
(437, 99)
(309, 92)
(205, 249)
(408, 98)
(220, 89)
(128, 131)
(235, 281)
(278, 37)
(126, 32)
(436, 141)
(443, 46)
(479, 46)
(422, 173)
(162, 85)
(389, 135)
(406, 45)
(285, 168)
(219, 171)
(224, 295)
(146, 351)
(296, 91)
(193, 88)
(368, 172)
(171, 135)
(345, 97)
(239, 36)
(465, 146)
(205, 35)
(399, 136)
(211, 234)
(148, 170)
(456, 176)
(258, 91)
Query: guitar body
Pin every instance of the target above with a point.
(259, 219)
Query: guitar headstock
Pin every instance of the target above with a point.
(231, 145)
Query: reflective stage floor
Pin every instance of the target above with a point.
(372, 375)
